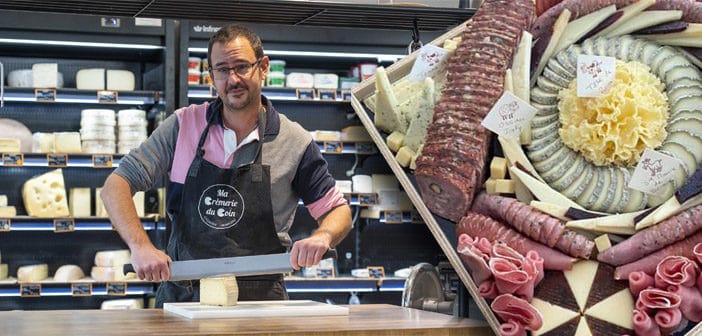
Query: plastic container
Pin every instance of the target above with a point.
(194, 63)
(205, 78)
(276, 66)
(354, 71)
(194, 76)
(326, 81)
(276, 79)
(367, 70)
(348, 82)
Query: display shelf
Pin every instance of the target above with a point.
(75, 96)
(52, 288)
(296, 284)
(207, 92)
(81, 160)
(25, 223)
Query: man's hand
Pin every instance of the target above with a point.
(309, 251)
(151, 264)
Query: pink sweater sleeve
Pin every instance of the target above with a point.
(332, 199)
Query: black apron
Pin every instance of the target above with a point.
(225, 213)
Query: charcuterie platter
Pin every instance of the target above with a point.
(579, 211)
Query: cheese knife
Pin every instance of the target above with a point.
(238, 266)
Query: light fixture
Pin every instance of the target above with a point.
(379, 57)
(81, 44)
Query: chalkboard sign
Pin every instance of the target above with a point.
(57, 160)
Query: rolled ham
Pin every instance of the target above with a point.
(488, 289)
(639, 281)
(691, 304)
(644, 325)
(502, 250)
(652, 299)
(649, 263)
(697, 251)
(474, 258)
(508, 276)
(475, 224)
(668, 319)
(654, 238)
(511, 308)
(676, 270)
(512, 328)
(537, 262)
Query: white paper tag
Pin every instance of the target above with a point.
(509, 115)
(152, 22)
(653, 171)
(430, 59)
(595, 75)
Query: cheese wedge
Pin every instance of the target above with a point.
(32, 273)
(79, 202)
(629, 12)
(387, 116)
(45, 195)
(222, 291)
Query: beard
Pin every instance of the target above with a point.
(241, 100)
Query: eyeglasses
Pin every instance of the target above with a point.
(241, 69)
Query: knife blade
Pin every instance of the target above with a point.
(239, 266)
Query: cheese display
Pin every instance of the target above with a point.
(32, 273)
(45, 195)
(3, 272)
(222, 291)
(43, 142)
(131, 126)
(67, 142)
(105, 274)
(122, 304)
(45, 75)
(25, 79)
(68, 273)
(112, 258)
(79, 202)
(13, 129)
(97, 131)
(120, 80)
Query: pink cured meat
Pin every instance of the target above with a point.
(639, 281)
(536, 262)
(653, 299)
(508, 276)
(512, 328)
(676, 270)
(475, 224)
(502, 250)
(488, 289)
(534, 224)
(649, 263)
(697, 251)
(511, 308)
(668, 320)
(691, 304)
(653, 238)
(644, 324)
(476, 260)
(699, 282)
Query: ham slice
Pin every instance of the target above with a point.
(474, 258)
(697, 251)
(653, 299)
(502, 250)
(691, 304)
(512, 328)
(508, 276)
(644, 325)
(649, 263)
(676, 270)
(668, 320)
(488, 289)
(535, 261)
(639, 281)
(475, 224)
(511, 308)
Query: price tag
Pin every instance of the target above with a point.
(107, 97)
(30, 290)
(102, 160)
(393, 217)
(653, 171)
(57, 160)
(333, 147)
(81, 289)
(64, 225)
(213, 91)
(12, 159)
(595, 75)
(45, 95)
(324, 272)
(376, 271)
(346, 95)
(509, 115)
(417, 218)
(365, 148)
(304, 94)
(116, 288)
(326, 94)
(430, 60)
(5, 224)
(367, 199)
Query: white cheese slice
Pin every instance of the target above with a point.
(104, 274)
(67, 142)
(45, 195)
(583, 329)
(31, 273)
(3, 200)
(112, 258)
(646, 19)
(120, 80)
(10, 145)
(629, 12)
(577, 28)
(387, 115)
(222, 291)
(45, 75)
(580, 279)
(43, 142)
(8, 211)
(554, 316)
(79, 202)
(617, 309)
(3, 271)
(90, 79)
(68, 273)
(122, 304)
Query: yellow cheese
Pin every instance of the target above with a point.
(104, 274)
(10, 146)
(3, 271)
(413, 163)
(68, 273)
(602, 242)
(222, 291)
(3, 200)
(122, 304)
(121, 80)
(99, 206)
(327, 136)
(583, 329)
(112, 258)
(404, 156)
(420, 112)
(42, 142)
(33, 273)
(45, 195)
(504, 186)
(557, 315)
(162, 201)
(45, 75)
(138, 199)
(8, 211)
(580, 279)
(67, 142)
(621, 316)
(491, 186)
(387, 116)
(80, 202)
(498, 167)
(90, 79)
(395, 140)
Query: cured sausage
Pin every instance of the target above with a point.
(649, 263)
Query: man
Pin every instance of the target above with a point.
(237, 170)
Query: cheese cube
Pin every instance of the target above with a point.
(33, 273)
(3, 271)
(222, 291)
(491, 187)
(67, 142)
(138, 199)
(68, 273)
(10, 146)
(503, 186)
(45, 75)
(602, 242)
(120, 80)
(3, 200)
(90, 79)
(8, 211)
(80, 202)
(43, 142)
(498, 167)
(404, 156)
(104, 274)
(45, 195)
(112, 258)
(395, 140)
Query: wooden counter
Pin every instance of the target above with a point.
(371, 319)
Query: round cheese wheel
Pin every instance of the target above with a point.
(131, 113)
(112, 258)
(113, 273)
(97, 112)
(24, 79)
(13, 129)
(31, 273)
(68, 273)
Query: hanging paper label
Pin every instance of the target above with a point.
(595, 75)
(430, 60)
(509, 116)
(653, 171)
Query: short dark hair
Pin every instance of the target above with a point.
(229, 33)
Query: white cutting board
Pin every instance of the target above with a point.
(195, 310)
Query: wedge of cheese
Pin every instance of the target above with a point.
(387, 115)
(45, 75)
(79, 202)
(222, 291)
(32, 273)
(45, 195)
(423, 106)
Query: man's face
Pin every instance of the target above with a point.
(237, 74)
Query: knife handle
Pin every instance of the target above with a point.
(331, 253)
(126, 268)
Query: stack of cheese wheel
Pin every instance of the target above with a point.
(97, 131)
(132, 129)
(109, 264)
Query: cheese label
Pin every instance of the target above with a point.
(57, 160)
(653, 171)
(150, 22)
(393, 217)
(430, 61)
(81, 289)
(5, 224)
(107, 97)
(509, 116)
(116, 288)
(346, 95)
(30, 290)
(13, 160)
(324, 272)
(304, 94)
(365, 148)
(326, 94)
(376, 271)
(45, 95)
(102, 160)
(64, 225)
(595, 75)
(367, 199)
(333, 147)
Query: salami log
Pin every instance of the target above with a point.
(649, 263)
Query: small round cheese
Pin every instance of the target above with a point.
(31, 273)
(68, 273)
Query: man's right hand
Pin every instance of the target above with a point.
(151, 264)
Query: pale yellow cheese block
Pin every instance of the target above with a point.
(10, 145)
(68, 273)
(31, 273)
(104, 274)
(67, 142)
(8, 211)
(112, 258)
(222, 291)
(3, 271)
(80, 202)
(3, 200)
(45, 195)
